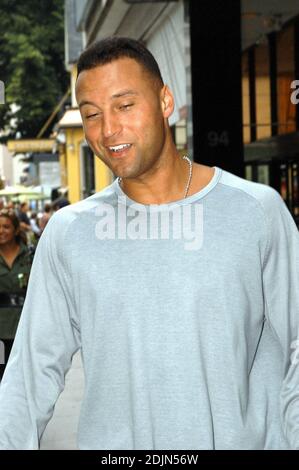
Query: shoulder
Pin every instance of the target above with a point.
(265, 196)
(25, 255)
(62, 220)
(23, 248)
(274, 212)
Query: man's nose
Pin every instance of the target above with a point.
(111, 125)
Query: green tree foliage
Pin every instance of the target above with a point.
(31, 63)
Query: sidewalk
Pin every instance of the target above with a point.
(61, 432)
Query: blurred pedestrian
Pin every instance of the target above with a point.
(15, 264)
(10, 205)
(59, 203)
(44, 219)
(34, 225)
(23, 217)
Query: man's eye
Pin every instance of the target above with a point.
(91, 115)
(126, 106)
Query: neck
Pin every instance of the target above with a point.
(9, 247)
(165, 182)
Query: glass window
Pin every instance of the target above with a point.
(263, 174)
(245, 99)
(262, 90)
(88, 173)
(285, 75)
(248, 173)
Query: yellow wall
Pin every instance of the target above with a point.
(263, 107)
(74, 138)
(70, 168)
(73, 83)
(246, 110)
(103, 176)
(62, 161)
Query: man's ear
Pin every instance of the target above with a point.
(167, 101)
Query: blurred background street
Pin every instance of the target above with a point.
(61, 432)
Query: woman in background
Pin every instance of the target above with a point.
(45, 217)
(15, 264)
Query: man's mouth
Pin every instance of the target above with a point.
(117, 149)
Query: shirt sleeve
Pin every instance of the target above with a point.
(281, 296)
(46, 339)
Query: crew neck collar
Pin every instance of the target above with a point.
(194, 197)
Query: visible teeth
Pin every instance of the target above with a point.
(117, 148)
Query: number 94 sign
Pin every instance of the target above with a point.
(218, 138)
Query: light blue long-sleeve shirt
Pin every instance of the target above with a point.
(183, 348)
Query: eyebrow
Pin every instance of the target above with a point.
(125, 93)
(116, 95)
(85, 102)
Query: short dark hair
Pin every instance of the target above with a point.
(114, 47)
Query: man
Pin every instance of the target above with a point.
(23, 217)
(15, 264)
(179, 283)
(45, 217)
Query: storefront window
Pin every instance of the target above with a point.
(263, 174)
(245, 99)
(285, 75)
(87, 172)
(262, 90)
(248, 172)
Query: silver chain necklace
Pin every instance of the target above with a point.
(185, 157)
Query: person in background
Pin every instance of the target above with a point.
(23, 217)
(15, 264)
(45, 217)
(34, 226)
(10, 205)
(60, 203)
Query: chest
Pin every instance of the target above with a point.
(14, 277)
(222, 274)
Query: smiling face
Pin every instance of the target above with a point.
(7, 230)
(124, 112)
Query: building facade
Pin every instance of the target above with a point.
(82, 173)
(6, 166)
(232, 67)
(270, 68)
